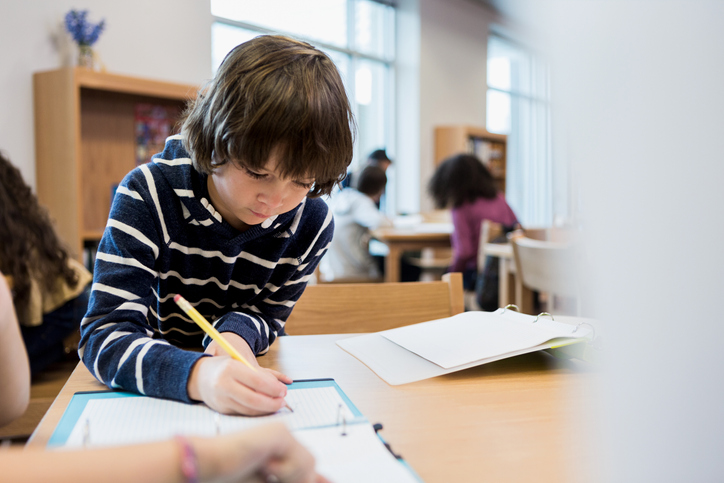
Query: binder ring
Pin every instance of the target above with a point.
(593, 329)
(512, 307)
(543, 314)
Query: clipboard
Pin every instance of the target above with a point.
(346, 446)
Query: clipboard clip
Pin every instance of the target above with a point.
(86, 433)
(343, 421)
(378, 427)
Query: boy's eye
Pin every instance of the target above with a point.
(307, 185)
(254, 174)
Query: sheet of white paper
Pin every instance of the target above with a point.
(473, 336)
(396, 365)
(128, 420)
(357, 457)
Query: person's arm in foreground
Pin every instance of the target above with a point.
(14, 366)
(251, 456)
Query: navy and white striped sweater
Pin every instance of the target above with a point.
(163, 238)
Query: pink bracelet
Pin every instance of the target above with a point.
(189, 461)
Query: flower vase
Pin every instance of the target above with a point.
(85, 56)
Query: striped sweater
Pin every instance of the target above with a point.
(163, 237)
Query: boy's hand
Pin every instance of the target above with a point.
(230, 387)
(238, 343)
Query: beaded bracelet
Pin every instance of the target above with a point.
(189, 461)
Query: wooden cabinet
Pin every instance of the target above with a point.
(85, 142)
(489, 147)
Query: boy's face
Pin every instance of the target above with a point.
(245, 198)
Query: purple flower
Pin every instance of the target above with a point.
(83, 32)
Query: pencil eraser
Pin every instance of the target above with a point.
(176, 297)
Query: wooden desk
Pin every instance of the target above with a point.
(399, 240)
(511, 420)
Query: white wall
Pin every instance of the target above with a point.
(453, 61)
(442, 70)
(161, 39)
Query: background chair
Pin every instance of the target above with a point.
(547, 266)
(489, 230)
(371, 307)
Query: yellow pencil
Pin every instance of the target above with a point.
(213, 333)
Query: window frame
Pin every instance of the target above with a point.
(355, 57)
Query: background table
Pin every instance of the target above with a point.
(511, 420)
(417, 237)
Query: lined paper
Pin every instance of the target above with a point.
(130, 420)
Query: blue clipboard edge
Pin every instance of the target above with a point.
(80, 399)
(75, 408)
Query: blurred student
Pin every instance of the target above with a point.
(464, 184)
(378, 158)
(259, 454)
(50, 289)
(355, 214)
(229, 216)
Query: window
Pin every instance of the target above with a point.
(518, 105)
(358, 35)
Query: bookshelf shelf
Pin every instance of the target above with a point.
(489, 147)
(85, 142)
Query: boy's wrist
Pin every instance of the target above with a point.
(192, 386)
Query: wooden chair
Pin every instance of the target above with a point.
(489, 230)
(371, 307)
(319, 279)
(546, 266)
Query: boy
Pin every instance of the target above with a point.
(355, 214)
(228, 215)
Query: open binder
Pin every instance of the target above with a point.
(429, 349)
(345, 445)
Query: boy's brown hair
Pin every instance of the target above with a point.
(274, 92)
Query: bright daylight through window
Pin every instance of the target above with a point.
(358, 35)
(518, 105)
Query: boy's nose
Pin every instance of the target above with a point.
(273, 199)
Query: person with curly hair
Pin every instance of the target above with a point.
(49, 288)
(463, 183)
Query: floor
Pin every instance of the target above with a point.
(43, 390)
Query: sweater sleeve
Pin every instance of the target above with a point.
(117, 344)
(366, 214)
(462, 241)
(261, 322)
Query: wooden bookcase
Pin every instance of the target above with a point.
(85, 142)
(489, 147)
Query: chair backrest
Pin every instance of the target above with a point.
(546, 266)
(371, 307)
(553, 234)
(489, 230)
